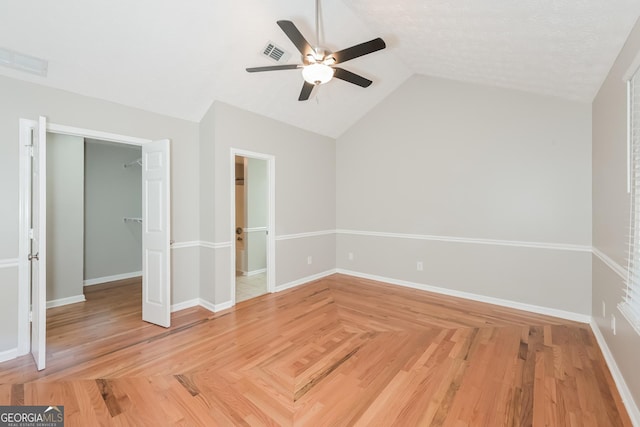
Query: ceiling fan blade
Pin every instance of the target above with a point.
(350, 77)
(274, 68)
(361, 49)
(296, 37)
(306, 91)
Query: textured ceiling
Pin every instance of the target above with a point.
(563, 48)
(175, 58)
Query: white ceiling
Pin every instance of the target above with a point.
(176, 57)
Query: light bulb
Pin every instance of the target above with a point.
(317, 74)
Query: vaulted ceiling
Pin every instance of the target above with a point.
(177, 57)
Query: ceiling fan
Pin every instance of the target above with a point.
(318, 64)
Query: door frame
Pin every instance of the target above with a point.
(27, 127)
(271, 222)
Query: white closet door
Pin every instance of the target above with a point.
(156, 262)
(38, 255)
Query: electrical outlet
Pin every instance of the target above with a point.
(613, 324)
(350, 256)
(419, 266)
(309, 260)
(604, 310)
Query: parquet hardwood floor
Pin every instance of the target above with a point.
(339, 351)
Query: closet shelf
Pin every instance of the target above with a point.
(137, 162)
(127, 219)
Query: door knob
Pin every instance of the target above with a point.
(32, 257)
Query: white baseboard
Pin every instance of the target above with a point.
(625, 393)
(106, 279)
(254, 272)
(185, 304)
(219, 307)
(304, 280)
(577, 317)
(65, 301)
(202, 303)
(8, 354)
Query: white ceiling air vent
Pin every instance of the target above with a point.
(22, 62)
(276, 53)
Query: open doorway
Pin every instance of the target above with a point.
(94, 216)
(253, 224)
(251, 227)
(155, 222)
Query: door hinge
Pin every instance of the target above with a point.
(31, 316)
(31, 233)
(30, 148)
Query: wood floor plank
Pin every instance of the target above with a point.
(336, 351)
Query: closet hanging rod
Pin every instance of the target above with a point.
(134, 163)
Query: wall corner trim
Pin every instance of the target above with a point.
(202, 303)
(201, 244)
(618, 378)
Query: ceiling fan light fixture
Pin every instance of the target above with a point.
(317, 74)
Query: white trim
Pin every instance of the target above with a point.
(11, 262)
(212, 245)
(207, 305)
(27, 127)
(305, 235)
(254, 229)
(182, 245)
(201, 244)
(65, 301)
(518, 243)
(103, 136)
(577, 317)
(201, 303)
(105, 279)
(218, 307)
(629, 136)
(618, 378)
(617, 268)
(8, 354)
(253, 272)
(304, 280)
(185, 304)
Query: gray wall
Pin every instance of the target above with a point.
(611, 213)
(463, 162)
(305, 195)
(65, 199)
(26, 100)
(112, 192)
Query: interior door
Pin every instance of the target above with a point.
(156, 263)
(38, 255)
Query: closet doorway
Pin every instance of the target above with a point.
(94, 215)
(252, 202)
(154, 222)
